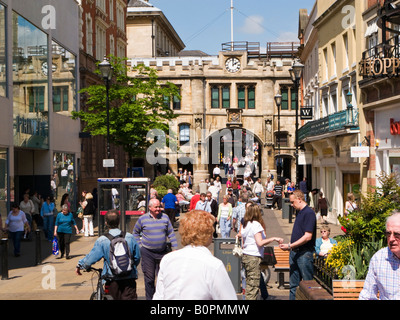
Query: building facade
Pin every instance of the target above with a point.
(227, 107)
(39, 83)
(102, 33)
(380, 90)
(331, 84)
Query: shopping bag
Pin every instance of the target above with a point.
(55, 246)
(237, 250)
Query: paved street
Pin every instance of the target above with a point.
(29, 282)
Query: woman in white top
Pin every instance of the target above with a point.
(28, 208)
(193, 273)
(254, 240)
(350, 205)
(217, 183)
(224, 217)
(15, 224)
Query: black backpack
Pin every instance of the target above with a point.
(120, 255)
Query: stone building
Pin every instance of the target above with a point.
(227, 106)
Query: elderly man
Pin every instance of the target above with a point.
(151, 231)
(384, 269)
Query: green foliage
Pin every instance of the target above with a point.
(137, 105)
(368, 223)
(365, 228)
(163, 183)
(361, 255)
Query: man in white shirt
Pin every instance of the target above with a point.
(269, 185)
(216, 172)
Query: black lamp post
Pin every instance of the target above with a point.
(349, 110)
(278, 101)
(296, 73)
(106, 71)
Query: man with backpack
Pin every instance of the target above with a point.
(121, 255)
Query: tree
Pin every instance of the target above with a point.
(137, 106)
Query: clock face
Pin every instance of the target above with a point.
(45, 68)
(232, 64)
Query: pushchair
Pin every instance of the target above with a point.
(269, 199)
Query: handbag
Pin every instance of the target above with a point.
(237, 250)
(55, 246)
(80, 213)
(269, 257)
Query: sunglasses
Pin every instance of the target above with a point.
(395, 234)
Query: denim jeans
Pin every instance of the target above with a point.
(225, 226)
(48, 222)
(16, 240)
(301, 268)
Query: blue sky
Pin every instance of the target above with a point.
(206, 24)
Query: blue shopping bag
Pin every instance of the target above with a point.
(55, 246)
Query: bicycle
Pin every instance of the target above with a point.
(101, 292)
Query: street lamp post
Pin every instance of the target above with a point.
(106, 71)
(349, 110)
(295, 73)
(278, 102)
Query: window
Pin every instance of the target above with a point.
(220, 97)
(333, 49)
(289, 99)
(281, 139)
(184, 133)
(346, 50)
(89, 35)
(294, 102)
(174, 103)
(31, 68)
(100, 42)
(101, 4)
(246, 97)
(36, 99)
(60, 98)
(285, 99)
(326, 64)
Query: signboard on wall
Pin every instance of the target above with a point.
(360, 152)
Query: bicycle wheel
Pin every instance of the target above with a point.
(93, 296)
(266, 273)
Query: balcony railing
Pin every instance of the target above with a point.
(381, 60)
(279, 50)
(332, 123)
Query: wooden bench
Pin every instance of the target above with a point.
(312, 290)
(282, 265)
(347, 290)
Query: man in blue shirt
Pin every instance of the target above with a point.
(384, 269)
(302, 243)
(123, 288)
(170, 202)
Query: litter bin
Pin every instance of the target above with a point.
(223, 251)
(285, 208)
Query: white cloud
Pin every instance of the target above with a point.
(288, 37)
(253, 25)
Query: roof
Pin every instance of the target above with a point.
(192, 53)
(139, 3)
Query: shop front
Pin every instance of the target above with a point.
(387, 140)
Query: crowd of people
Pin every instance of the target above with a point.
(35, 212)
